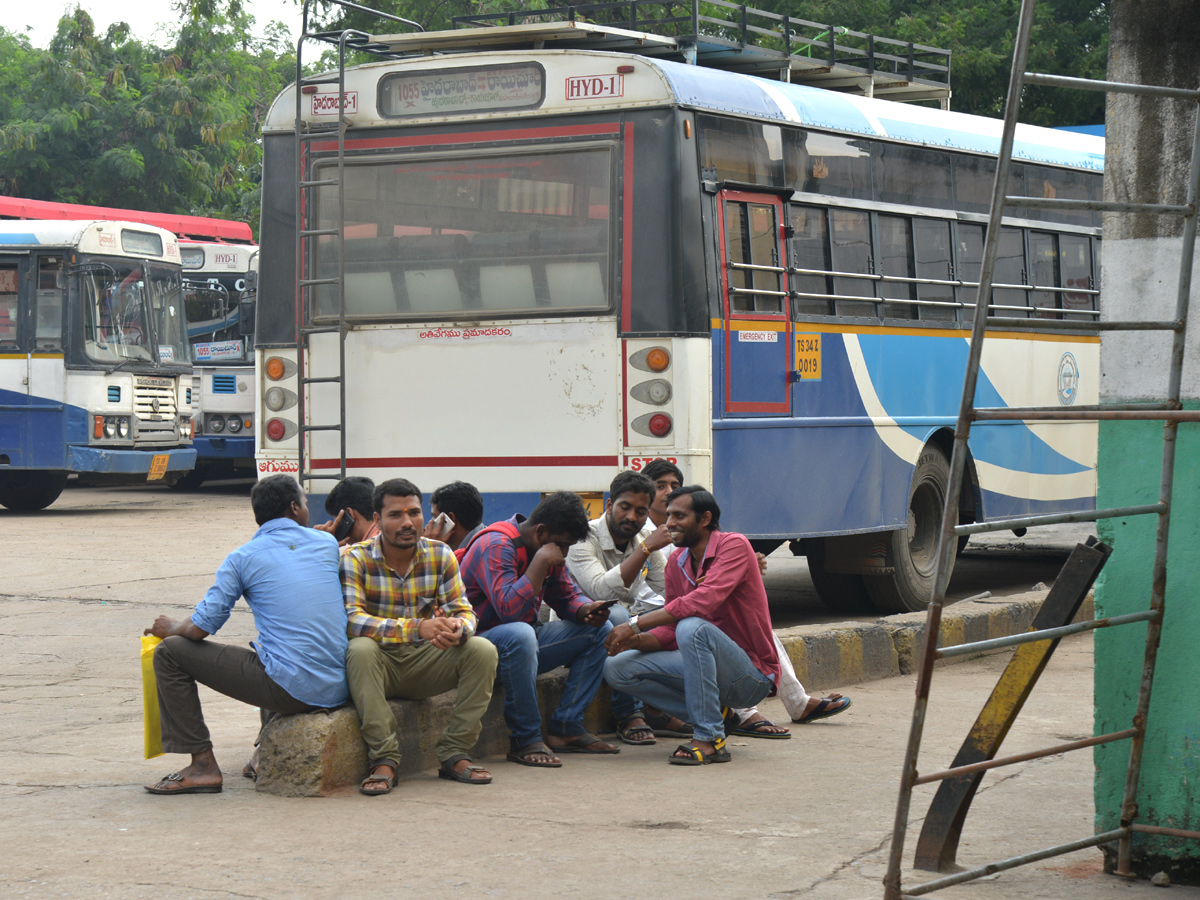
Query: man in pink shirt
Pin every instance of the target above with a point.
(711, 645)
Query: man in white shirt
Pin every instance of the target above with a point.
(621, 561)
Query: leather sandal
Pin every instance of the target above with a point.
(446, 770)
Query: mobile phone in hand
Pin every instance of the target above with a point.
(343, 529)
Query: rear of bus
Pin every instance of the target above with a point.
(522, 310)
(95, 374)
(219, 289)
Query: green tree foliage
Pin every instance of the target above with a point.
(112, 121)
(1070, 37)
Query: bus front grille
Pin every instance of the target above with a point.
(155, 408)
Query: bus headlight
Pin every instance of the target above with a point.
(216, 424)
(123, 426)
(234, 424)
(110, 427)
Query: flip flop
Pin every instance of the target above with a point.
(581, 742)
(697, 757)
(176, 778)
(446, 770)
(822, 712)
(248, 771)
(388, 780)
(521, 756)
(754, 730)
(625, 733)
(660, 724)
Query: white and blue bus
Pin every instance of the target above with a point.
(219, 289)
(95, 371)
(561, 263)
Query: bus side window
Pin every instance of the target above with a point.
(852, 254)
(896, 256)
(8, 307)
(1076, 270)
(48, 330)
(810, 250)
(1044, 272)
(931, 238)
(969, 261)
(1010, 269)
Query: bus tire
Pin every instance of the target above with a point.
(912, 551)
(30, 491)
(841, 593)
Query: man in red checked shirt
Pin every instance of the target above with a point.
(711, 645)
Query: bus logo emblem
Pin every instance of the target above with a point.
(1068, 379)
(589, 87)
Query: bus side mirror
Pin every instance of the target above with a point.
(246, 318)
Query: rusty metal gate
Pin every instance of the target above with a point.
(938, 843)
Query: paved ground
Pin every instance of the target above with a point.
(804, 818)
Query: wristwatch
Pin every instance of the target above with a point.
(633, 623)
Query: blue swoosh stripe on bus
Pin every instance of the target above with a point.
(19, 238)
(1011, 445)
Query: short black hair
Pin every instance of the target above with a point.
(630, 483)
(660, 467)
(395, 487)
(562, 513)
(273, 497)
(463, 500)
(356, 492)
(702, 502)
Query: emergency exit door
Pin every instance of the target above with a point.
(757, 314)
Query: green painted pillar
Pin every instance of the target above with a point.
(1148, 148)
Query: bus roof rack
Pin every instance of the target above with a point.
(743, 39)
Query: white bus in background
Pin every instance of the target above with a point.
(95, 371)
(220, 282)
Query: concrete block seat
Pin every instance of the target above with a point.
(316, 754)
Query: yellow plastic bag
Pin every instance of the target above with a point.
(150, 697)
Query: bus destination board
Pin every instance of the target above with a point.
(449, 91)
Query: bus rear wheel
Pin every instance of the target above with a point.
(912, 551)
(30, 491)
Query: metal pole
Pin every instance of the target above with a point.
(1129, 808)
(300, 254)
(946, 540)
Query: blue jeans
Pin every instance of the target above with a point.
(707, 672)
(624, 706)
(526, 651)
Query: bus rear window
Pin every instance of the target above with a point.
(471, 235)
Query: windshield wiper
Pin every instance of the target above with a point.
(126, 361)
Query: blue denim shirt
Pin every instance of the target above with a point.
(289, 577)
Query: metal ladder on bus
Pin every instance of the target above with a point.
(1035, 647)
(307, 239)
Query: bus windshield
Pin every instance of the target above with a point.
(212, 318)
(132, 312)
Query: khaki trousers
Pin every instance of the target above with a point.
(377, 672)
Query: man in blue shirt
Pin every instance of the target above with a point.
(288, 574)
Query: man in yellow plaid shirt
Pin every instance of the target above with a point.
(411, 633)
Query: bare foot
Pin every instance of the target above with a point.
(203, 776)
